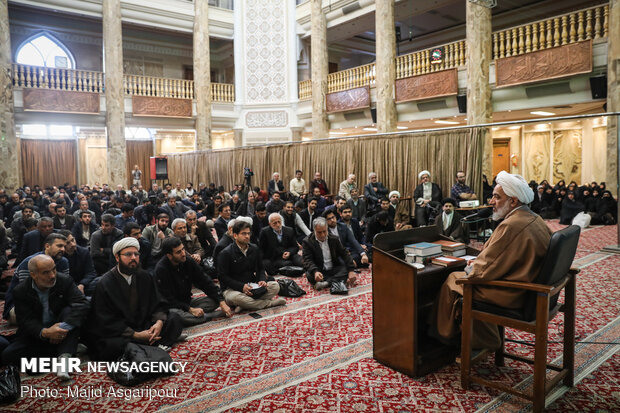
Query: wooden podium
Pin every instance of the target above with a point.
(402, 302)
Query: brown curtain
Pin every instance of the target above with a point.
(48, 162)
(396, 159)
(139, 153)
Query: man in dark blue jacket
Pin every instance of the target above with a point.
(81, 267)
(34, 241)
(347, 239)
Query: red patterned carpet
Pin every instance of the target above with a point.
(315, 355)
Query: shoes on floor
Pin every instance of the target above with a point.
(278, 302)
(321, 285)
(182, 337)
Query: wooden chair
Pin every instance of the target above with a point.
(541, 306)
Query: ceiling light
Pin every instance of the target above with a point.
(542, 113)
(495, 128)
(402, 127)
(337, 133)
(515, 127)
(370, 129)
(447, 122)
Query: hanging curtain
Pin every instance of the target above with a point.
(139, 153)
(396, 159)
(48, 162)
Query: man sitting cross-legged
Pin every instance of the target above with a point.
(50, 310)
(175, 274)
(278, 245)
(241, 274)
(340, 230)
(325, 259)
(127, 307)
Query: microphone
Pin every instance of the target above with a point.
(482, 214)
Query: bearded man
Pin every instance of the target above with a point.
(514, 252)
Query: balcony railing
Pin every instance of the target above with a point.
(591, 23)
(37, 77)
(57, 79)
(569, 28)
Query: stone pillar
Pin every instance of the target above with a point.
(10, 169)
(238, 137)
(297, 132)
(385, 66)
(114, 94)
(478, 45)
(319, 64)
(613, 95)
(202, 75)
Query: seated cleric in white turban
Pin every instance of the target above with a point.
(514, 252)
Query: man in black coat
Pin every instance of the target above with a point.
(50, 311)
(175, 273)
(62, 220)
(279, 245)
(34, 241)
(346, 238)
(374, 191)
(127, 307)
(241, 274)
(101, 242)
(325, 259)
(81, 267)
(449, 223)
(221, 223)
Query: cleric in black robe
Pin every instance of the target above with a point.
(570, 208)
(127, 307)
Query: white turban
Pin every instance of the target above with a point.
(421, 174)
(515, 186)
(125, 243)
(394, 193)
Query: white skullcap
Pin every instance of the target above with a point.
(125, 243)
(515, 186)
(425, 172)
(394, 193)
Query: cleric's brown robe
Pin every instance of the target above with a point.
(513, 253)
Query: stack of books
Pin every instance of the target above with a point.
(422, 252)
(448, 261)
(452, 248)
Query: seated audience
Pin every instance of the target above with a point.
(570, 208)
(275, 184)
(156, 233)
(275, 204)
(241, 273)
(248, 207)
(399, 213)
(448, 223)
(61, 219)
(606, 212)
(175, 273)
(50, 310)
(174, 209)
(201, 231)
(84, 229)
(278, 245)
(34, 241)
(339, 202)
(133, 230)
(259, 221)
(378, 223)
(127, 307)
(427, 197)
(321, 201)
(358, 206)
(221, 224)
(54, 247)
(101, 243)
(291, 219)
(346, 217)
(190, 242)
(460, 191)
(344, 189)
(81, 267)
(318, 182)
(124, 217)
(235, 205)
(297, 186)
(346, 239)
(325, 259)
(308, 214)
(225, 241)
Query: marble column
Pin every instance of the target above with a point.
(10, 170)
(202, 75)
(385, 66)
(297, 134)
(319, 64)
(114, 93)
(613, 95)
(478, 54)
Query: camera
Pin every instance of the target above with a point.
(247, 172)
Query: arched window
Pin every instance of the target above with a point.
(44, 50)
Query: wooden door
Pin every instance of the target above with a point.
(501, 156)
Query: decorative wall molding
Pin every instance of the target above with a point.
(164, 107)
(430, 85)
(43, 100)
(266, 119)
(265, 51)
(557, 62)
(345, 100)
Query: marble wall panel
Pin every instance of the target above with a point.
(444, 83)
(599, 157)
(567, 155)
(42, 100)
(536, 156)
(97, 161)
(166, 107)
(545, 64)
(351, 99)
